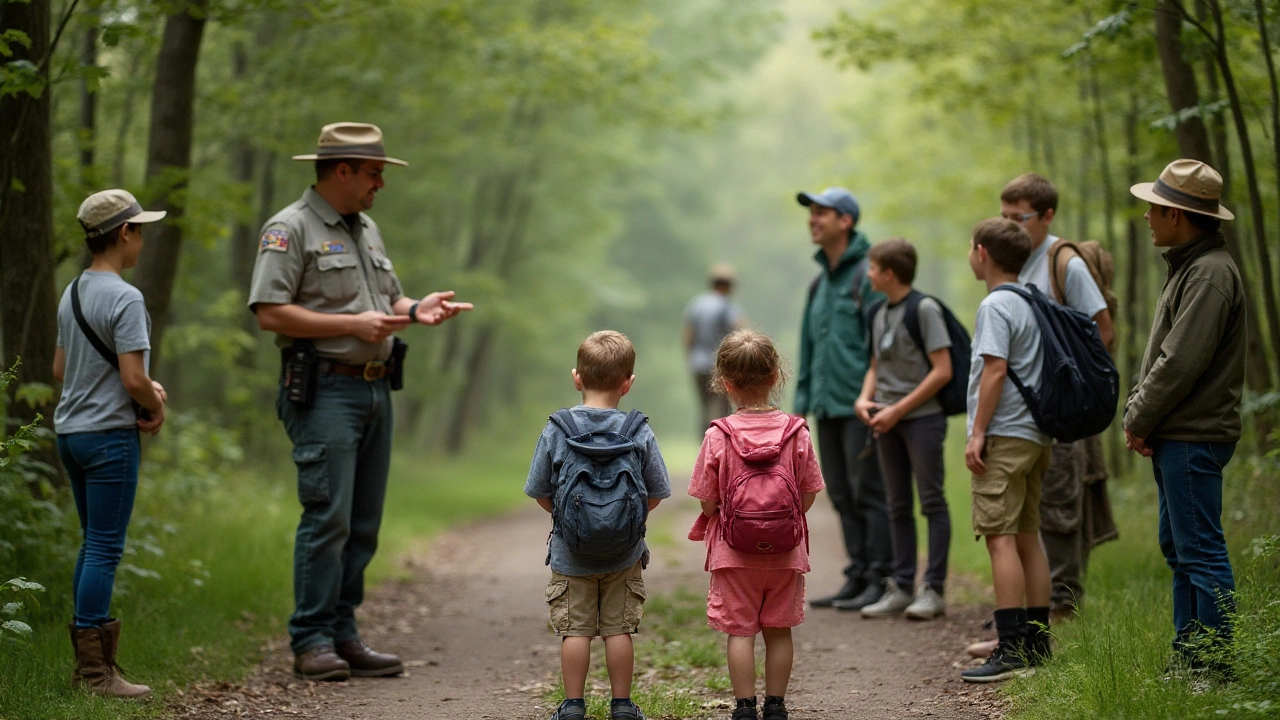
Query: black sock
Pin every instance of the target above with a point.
(576, 701)
(773, 700)
(1038, 615)
(749, 702)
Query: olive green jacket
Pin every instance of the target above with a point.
(1192, 373)
(835, 349)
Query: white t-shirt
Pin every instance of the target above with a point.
(1006, 328)
(1080, 291)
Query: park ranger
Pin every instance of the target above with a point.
(324, 284)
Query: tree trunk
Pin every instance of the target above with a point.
(28, 298)
(88, 120)
(467, 402)
(1180, 82)
(1136, 291)
(243, 233)
(169, 161)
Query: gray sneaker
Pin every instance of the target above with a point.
(892, 603)
(927, 606)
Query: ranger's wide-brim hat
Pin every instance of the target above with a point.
(105, 211)
(1187, 185)
(351, 141)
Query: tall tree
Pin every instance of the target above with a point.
(169, 159)
(28, 298)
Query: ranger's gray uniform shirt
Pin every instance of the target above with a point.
(900, 364)
(307, 256)
(93, 395)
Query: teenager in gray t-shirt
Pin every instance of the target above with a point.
(93, 395)
(900, 363)
(1006, 328)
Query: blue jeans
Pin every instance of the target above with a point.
(342, 448)
(103, 468)
(1189, 482)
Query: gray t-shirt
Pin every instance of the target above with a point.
(900, 364)
(93, 395)
(1080, 291)
(544, 474)
(710, 316)
(1006, 328)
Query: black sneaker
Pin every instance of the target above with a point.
(746, 713)
(869, 596)
(850, 590)
(569, 712)
(1002, 665)
(628, 711)
(774, 709)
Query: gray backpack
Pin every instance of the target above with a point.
(600, 501)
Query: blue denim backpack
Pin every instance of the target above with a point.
(600, 501)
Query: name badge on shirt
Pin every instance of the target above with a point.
(333, 246)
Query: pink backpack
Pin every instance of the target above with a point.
(761, 512)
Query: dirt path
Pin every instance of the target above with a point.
(471, 626)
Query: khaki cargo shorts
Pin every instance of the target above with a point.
(1006, 498)
(605, 604)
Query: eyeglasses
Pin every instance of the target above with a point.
(1020, 217)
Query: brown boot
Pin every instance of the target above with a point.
(321, 663)
(367, 662)
(96, 663)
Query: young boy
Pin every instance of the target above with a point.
(898, 403)
(1007, 453)
(595, 595)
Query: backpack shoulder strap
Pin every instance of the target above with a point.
(813, 287)
(564, 420)
(632, 424)
(92, 336)
(911, 318)
(793, 426)
(1059, 256)
(859, 275)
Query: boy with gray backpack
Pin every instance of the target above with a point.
(599, 472)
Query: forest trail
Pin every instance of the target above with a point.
(470, 623)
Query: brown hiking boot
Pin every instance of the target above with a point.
(321, 663)
(96, 666)
(366, 662)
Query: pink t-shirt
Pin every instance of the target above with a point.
(710, 481)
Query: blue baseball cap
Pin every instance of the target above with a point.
(837, 198)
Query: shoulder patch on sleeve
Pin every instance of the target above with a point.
(274, 239)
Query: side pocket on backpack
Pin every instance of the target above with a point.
(558, 605)
(633, 607)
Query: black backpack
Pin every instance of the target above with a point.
(954, 396)
(1079, 384)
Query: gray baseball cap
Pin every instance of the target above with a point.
(837, 198)
(104, 211)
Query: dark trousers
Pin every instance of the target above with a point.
(1061, 521)
(711, 405)
(857, 492)
(1189, 485)
(914, 447)
(342, 447)
(103, 469)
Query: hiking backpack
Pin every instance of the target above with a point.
(1079, 384)
(954, 396)
(600, 503)
(762, 512)
(1101, 266)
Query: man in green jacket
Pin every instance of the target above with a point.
(834, 356)
(1184, 413)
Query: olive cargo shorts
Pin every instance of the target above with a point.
(1006, 498)
(605, 604)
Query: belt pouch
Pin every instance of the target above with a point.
(299, 368)
(398, 350)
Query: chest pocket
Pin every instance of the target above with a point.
(338, 278)
(386, 274)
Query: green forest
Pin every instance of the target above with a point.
(577, 165)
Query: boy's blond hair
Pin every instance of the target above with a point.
(605, 360)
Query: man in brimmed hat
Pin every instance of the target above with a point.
(102, 361)
(1184, 413)
(324, 284)
(834, 356)
(709, 316)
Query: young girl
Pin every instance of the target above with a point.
(759, 590)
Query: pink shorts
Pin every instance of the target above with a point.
(743, 600)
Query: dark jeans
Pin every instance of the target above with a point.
(1061, 526)
(914, 446)
(711, 405)
(103, 469)
(1189, 481)
(342, 447)
(857, 492)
